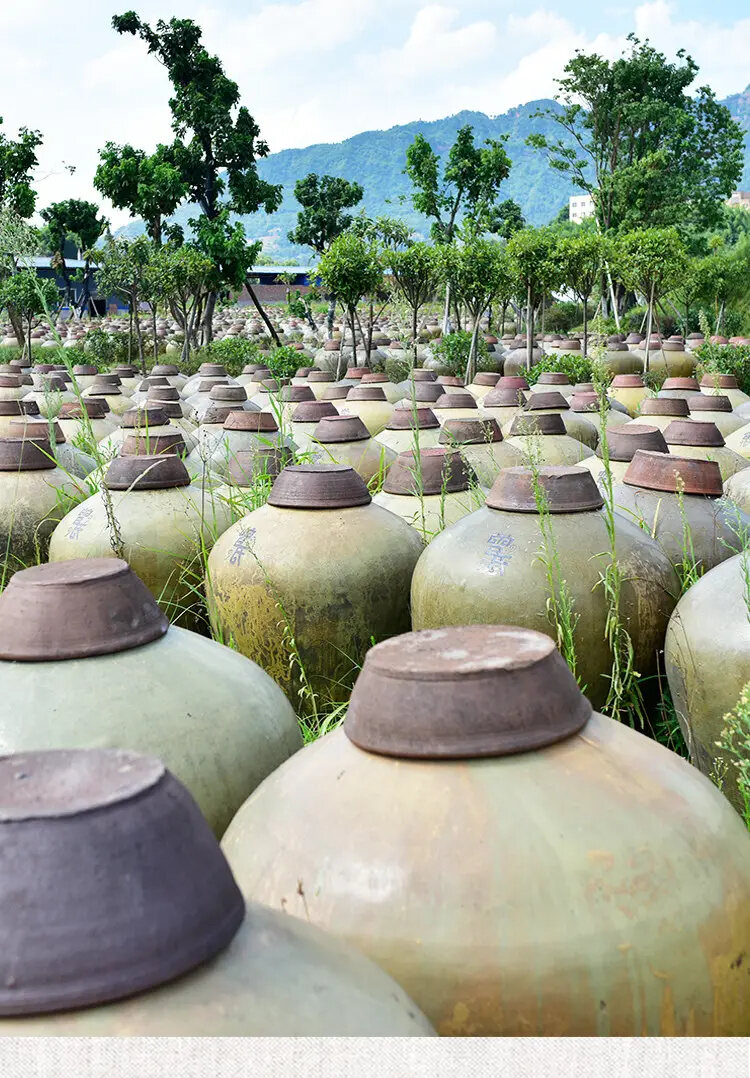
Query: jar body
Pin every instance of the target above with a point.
(31, 505)
(432, 513)
(374, 414)
(551, 448)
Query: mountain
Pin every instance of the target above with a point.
(376, 159)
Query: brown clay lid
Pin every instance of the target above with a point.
(163, 393)
(150, 415)
(295, 394)
(19, 408)
(512, 381)
(105, 391)
(222, 393)
(75, 609)
(85, 369)
(584, 402)
(553, 378)
(319, 486)
(538, 401)
(624, 441)
(422, 393)
(374, 376)
(241, 419)
(153, 380)
(248, 465)
(313, 411)
(356, 372)
(409, 418)
(270, 385)
(260, 374)
(320, 376)
(146, 473)
(504, 397)
(723, 381)
(680, 383)
(462, 692)
(423, 374)
(36, 428)
(332, 345)
(449, 380)
(676, 406)
(126, 370)
(10, 381)
(208, 384)
(166, 370)
(301, 372)
(106, 380)
(662, 471)
(94, 409)
(341, 428)
(545, 423)
(627, 381)
(213, 370)
(171, 409)
(25, 454)
(470, 431)
(145, 444)
(442, 470)
(367, 393)
(692, 432)
(451, 400)
(702, 402)
(336, 393)
(584, 387)
(486, 378)
(567, 490)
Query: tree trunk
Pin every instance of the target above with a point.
(139, 338)
(615, 311)
(153, 327)
(529, 328)
(447, 309)
(471, 364)
(262, 313)
(502, 317)
(585, 326)
(130, 331)
(17, 322)
(720, 319)
(414, 313)
(352, 313)
(648, 326)
(329, 318)
(207, 327)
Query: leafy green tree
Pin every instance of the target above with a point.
(534, 257)
(504, 219)
(650, 151)
(417, 273)
(687, 291)
(720, 278)
(216, 147)
(351, 269)
(477, 270)
(581, 259)
(77, 220)
(30, 296)
(182, 276)
(150, 186)
(123, 269)
(17, 203)
(651, 261)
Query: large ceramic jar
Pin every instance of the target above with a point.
(703, 441)
(623, 442)
(630, 390)
(430, 489)
(482, 383)
(163, 522)
(113, 396)
(68, 457)
(512, 858)
(480, 443)
(679, 388)
(149, 420)
(421, 394)
(486, 569)
(305, 419)
(86, 642)
(718, 410)
(285, 403)
(222, 396)
(392, 392)
(586, 404)
(679, 501)
(209, 373)
(34, 492)
(553, 382)
(542, 437)
(344, 439)
(724, 385)
(244, 432)
(661, 411)
(120, 914)
(85, 420)
(456, 404)
(399, 432)
(370, 404)
(503, 403)
(84, 374)
(320, 565)
(553, 403)
(172, 374)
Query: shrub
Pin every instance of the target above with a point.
(577, 367)
(105, 350)
(452, 352)
(284, 361)
(233, 352)
(562, 316)
(398, 368)
(725, 359)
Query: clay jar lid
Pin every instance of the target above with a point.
(409, 418)
(423, 374)
(114, 882)
(450, 380)
(336, 393)
(19, 408)
(471, 431)
(442, 470)
(676, 406)
(213, 370)
(662, 471)
(260, 374)
(566, 490)
(165, 370)
(692, 432)
(24, 454)
(546, 423)
(623, 442)
(318, 486)
(10, 381)
(94, 409)
(703, 402)
(545, 400)
(369, 393)
(504, 397)
(295, 394)
(320, 376)
(153, 380)
(163, 393)
(456, 400)
(486, 378)
(341, 428)
(146, 473)
(216, 414)
(36, 428)
(627, 381)
(723, 381)
(141, 443)
(262, 422)
(584, 402)
(301, 372)
(457, 693)
(228, 393)
(106, 380)
(171, 409)
(75, 609)
(680, 383)
(151, 415)
(84, 369)
(125, 370)
(553, 378)
(374, 376)
(313, 411)
(422, 393)
(512, 381)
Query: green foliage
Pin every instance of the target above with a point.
(104, 350)
(563, 316)
(652, 261)
(29, 294)
(234, 352)
(74, 219)
(351, 269)
(735, 742)
(534, 261)
(452, 350)
(479, 272)
(151, 186)
(284, 361)
(323, 200)
(725, 359)
(17, 163)
(579, 368)
(417, 273)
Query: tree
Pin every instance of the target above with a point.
(651, 261)
(217, 141)
(351, 269)
(478, 270)
(79, 221)
(30, 296)
(468, 187)
(534, 262)
(17, 202)
(720, 278)
(182, 276)
(417, 272)
(581, 260)
(150, 186)
(122, 269)
(504, 219)
(649, 152)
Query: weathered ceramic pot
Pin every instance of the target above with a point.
(249, 479)
(207, 372)
(679, 388)
(84, 374)
(392, 392)
(169, 399)
(630, 390)
(717, 410)
(586, 404)
(456, 404)
(370, 404)
(211, 431)
(243, 432)
(149, 420)
(50, 396)
(503, 403)
(623, 442)
(421, 394)
(480, 443)
(553, 403)
(78, 633)
(305, 419)
(128, 374)
(661, 411)
(620, 359)
(542, 436)
(344, 439)
(485, 569)
(707, 654)
(703, 441)
(11, 388)
(448, 733)
(117, 401)
(68, 457)
(172, 374)
(299, 379)
(268, 567)
(283, 405)
(430, 490)
(679, 501)
(222, 396)
(724, 385)
(163, 522)
(482, 383)
(319, 381)
(553, 382)
(34, 491)
(125, 848)
(10, 410)
(86, 420)
(399, 433)
(201, 395)
(669, 359)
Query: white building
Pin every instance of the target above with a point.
(580, 205)
(739, 198)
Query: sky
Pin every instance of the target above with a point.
(322, 70)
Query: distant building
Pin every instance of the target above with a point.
(580, 206)
(739, 198)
